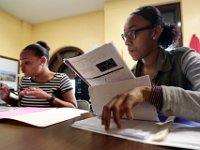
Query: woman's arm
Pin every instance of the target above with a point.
(180, 102)
(5, 95)
(191, 68)
(167, 99)
(68, 100)
(65, 94)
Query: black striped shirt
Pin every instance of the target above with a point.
(56, 86)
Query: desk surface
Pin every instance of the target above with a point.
(19, 136)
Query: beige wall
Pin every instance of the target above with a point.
(190, 19)
(86, 30)
(14, 34)
(82, 31)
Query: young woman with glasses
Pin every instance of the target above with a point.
(174, 74)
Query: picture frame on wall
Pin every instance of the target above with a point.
(9, 70)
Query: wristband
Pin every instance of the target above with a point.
(51, 100)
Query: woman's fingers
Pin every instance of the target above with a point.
(106, 114)
(121, 104)
(32, 92)
(105, 120)
(128, 105)
(4, 91)
(117, 109)
(113, 108)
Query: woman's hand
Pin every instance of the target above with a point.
(123, 104)
(34, 91)
(4, 91)
(68, 100)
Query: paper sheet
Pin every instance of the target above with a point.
(102, 94)
(40, 117)
(181, 136)
(101, 65)
(142, 131)
(14, 111)
(135, 130)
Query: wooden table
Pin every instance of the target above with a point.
(19, 136)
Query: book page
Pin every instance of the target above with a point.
(136, 129)
(101, 65)
(180, 136)
(102, 94)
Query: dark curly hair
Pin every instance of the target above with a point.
(169, 34)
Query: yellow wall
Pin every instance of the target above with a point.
(82, 31)
(85, 30)
(190, 19)
(14, 34)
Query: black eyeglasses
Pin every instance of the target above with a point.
(131, 34)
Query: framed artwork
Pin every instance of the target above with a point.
(9, 70)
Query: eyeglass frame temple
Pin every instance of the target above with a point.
(137, 30)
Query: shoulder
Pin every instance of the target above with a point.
(187, 54)
(190, 57)
(61, 76)
(181, 51)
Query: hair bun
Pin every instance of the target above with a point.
(43, 44)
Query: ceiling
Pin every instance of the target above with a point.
(39, 11)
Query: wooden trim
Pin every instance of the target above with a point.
(58, 56)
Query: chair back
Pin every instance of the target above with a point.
(83, 104)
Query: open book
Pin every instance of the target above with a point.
(107, 75)
(99, 66)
